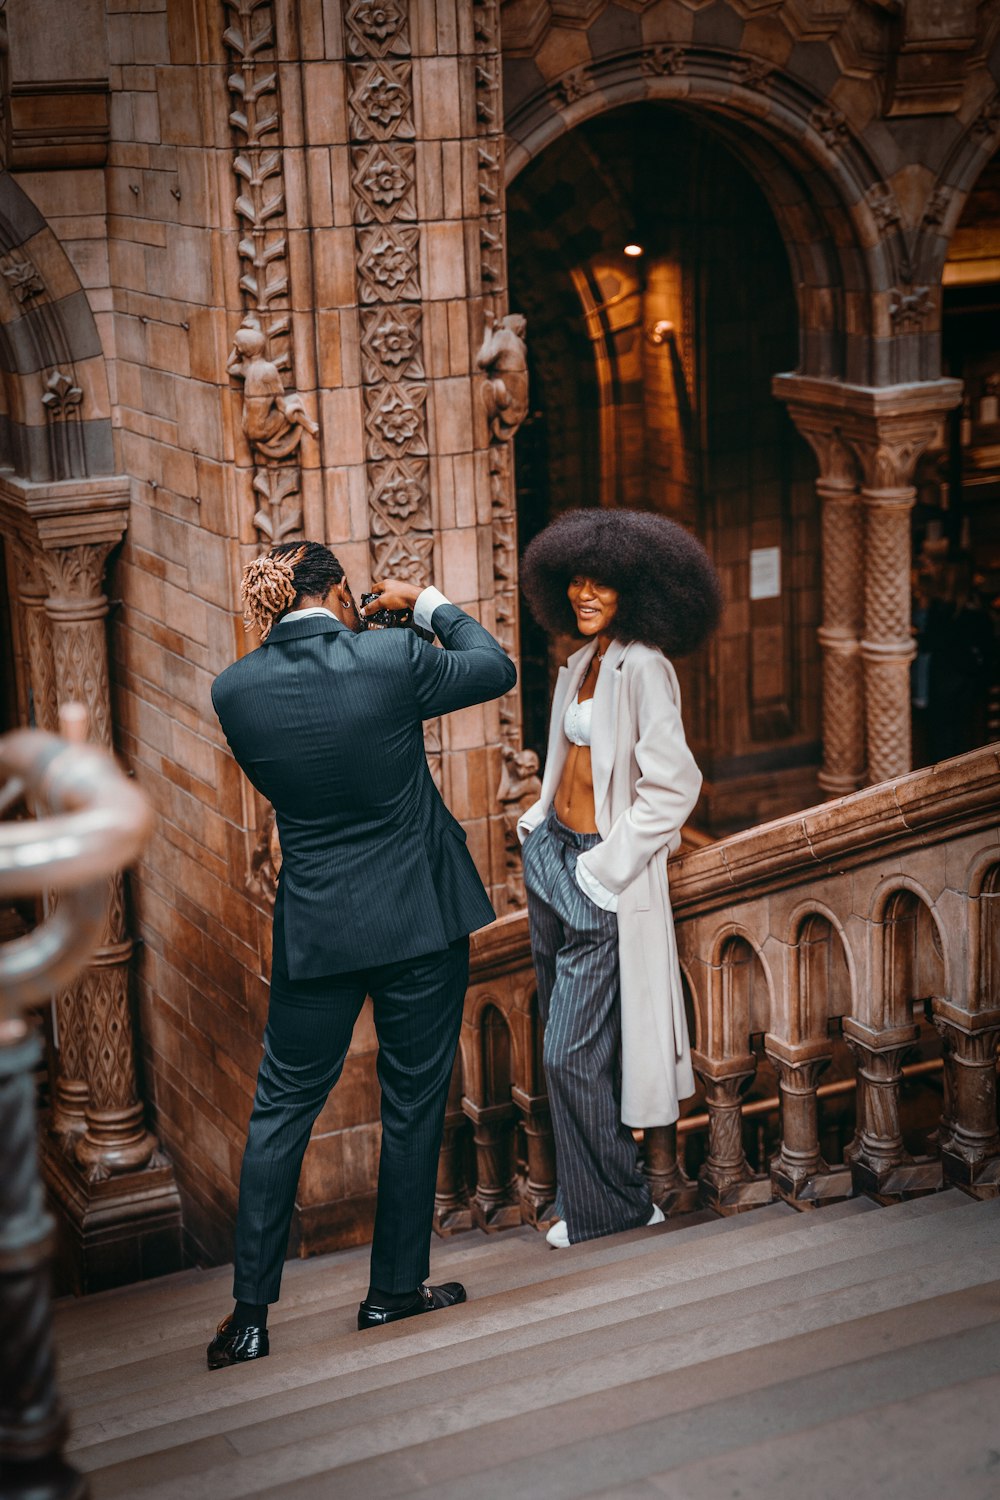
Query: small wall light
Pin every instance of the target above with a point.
(633, 250)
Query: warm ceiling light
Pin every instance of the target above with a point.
(633, 249)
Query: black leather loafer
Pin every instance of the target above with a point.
(234, 1346)
(425, 1299)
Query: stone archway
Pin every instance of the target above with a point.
(858, 232)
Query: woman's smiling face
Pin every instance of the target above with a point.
(594, 604)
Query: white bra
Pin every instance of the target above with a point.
(578, 720)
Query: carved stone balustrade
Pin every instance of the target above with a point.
(860, 912)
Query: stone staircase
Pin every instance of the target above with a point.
(852, 1351)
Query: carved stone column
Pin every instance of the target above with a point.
(539, 1191)
(672, 1189)
(888, 646)
(840, 632)
(886, 429)
(115, 1138)
(799, 1068)
(32, 591)
(115, 1194)
(726, 1165)
(494, 1203)
(877, 1149)
(970, 1145)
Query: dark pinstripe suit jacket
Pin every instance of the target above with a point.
(327, 726)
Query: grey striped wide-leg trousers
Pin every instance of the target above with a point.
(574, 946)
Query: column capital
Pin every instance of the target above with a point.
(885, 427)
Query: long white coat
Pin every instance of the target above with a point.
(645, 784)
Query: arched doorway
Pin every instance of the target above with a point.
(651, 378)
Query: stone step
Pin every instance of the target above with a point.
(190, 1311)
(311, 1328)
(195, 1404)
(954, 1457)
(170, 1325)
(634, 1433)
(362, 1435)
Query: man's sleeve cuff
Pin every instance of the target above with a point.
(428, 601)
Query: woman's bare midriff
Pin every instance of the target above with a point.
(574, 799)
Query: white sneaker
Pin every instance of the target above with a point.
(558, 1235)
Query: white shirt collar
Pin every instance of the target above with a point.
(303, 614)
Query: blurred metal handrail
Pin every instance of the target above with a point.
(92, 823)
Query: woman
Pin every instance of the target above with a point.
(619, 783)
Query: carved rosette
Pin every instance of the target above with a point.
(273, 421)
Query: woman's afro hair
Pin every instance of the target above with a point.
(669, 594)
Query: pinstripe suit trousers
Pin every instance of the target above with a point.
(574, 947)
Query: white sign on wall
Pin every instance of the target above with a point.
(765, 572)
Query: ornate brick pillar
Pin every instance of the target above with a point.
(114, 1138)
(115, 1191)
(886, 429)
(69, 1097)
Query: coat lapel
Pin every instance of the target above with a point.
(567, 686)
(605, 722)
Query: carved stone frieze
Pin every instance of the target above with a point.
(882, 202)
(576, 84)
(910, 308)
(753, 73)
(274, 420)
(387, 244)
(937, 206)
(831, 126)
(661, 61)
(23, 278)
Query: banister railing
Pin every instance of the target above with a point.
(859, 916)
(91, 822)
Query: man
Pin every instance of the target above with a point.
(377, 896)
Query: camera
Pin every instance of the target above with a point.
(382, 619)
